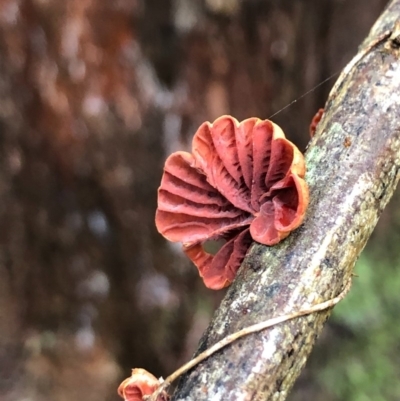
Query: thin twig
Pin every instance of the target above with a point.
(244, 332)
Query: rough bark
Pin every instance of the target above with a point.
(353, 168)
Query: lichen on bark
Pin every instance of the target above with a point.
(353, 166)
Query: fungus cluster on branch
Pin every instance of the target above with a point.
(242, 182)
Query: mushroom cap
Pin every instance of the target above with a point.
(242, 180)
(139, 384)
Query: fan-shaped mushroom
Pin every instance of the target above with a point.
(243, 181)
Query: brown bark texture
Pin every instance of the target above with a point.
(353, 167)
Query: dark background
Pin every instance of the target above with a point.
(93, 96)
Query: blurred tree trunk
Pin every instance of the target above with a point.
(93, 96)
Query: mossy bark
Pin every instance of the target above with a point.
(353, 167)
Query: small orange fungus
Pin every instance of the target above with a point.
(315, 121)
(140, 384)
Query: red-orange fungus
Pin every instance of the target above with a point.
(315, 121)
(140, 384)
(242, 182)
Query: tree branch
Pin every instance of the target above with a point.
(353, 167)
